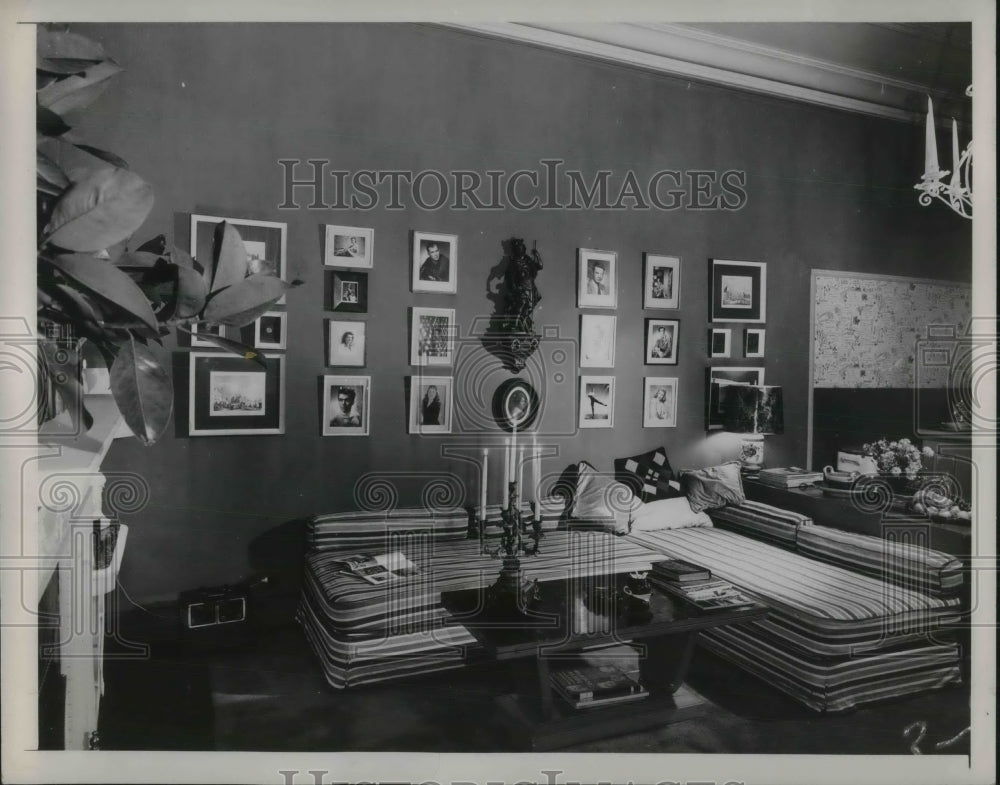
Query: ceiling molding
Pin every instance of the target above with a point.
(689, 52)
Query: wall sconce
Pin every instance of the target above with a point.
(754, 411)
(957, 194)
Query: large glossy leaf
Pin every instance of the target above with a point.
(191, 292)
(77, 91)
(63, 45)
(138, 260)
(101, 209)
(142, 390)
(104, 155)
(108, 281)
(48, 123)
(230, 257)
(244, 301)
(51, 172)
(157, 245)
(181, 257)
(244, 351)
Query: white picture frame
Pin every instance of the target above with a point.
(266, 244)
(597, 393)
(661, 341)
(346, 405)
(425, 418)
(720, 342)
(661, 287)
(349, 246)
(270, 330)
(737, 291)
(432, 336)
(207, 368)
(597, 340)
(197, 342)
(435, 263)
(347, 343)
(597, 279)
(753, 342)
(659, 402)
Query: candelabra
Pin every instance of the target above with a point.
(957, 194)
(513, 593)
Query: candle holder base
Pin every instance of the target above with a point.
(513, 594)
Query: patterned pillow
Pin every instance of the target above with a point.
(648, 475)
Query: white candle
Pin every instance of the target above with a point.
(538, 480)
(520, 476)
(506, 475)
(930, 142)
(954, 155)
(482, 485)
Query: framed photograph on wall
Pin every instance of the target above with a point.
(515, 403)
(659, 402)
(431, 404)
(662, 336)
(597, 340)
(269, 330)
(597, 279)
(716, 381)
(232, 396)
(432, 336)
(349, 246)
(597, 402)
(346, 405)
(346, 342)
(661, 281)
(753, 342)
(349, 292)
(435, 262)
(719, 342)
(738, 291)
(265, 243)
(199, 330)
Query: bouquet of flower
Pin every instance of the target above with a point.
(900, 458)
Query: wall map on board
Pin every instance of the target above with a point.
(865, 330)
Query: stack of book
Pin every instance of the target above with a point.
(696, 586)
(596, 685)
(792, 477)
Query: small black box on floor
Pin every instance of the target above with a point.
(215, 618)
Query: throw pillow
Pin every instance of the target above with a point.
(603, 501)
(668, 514)
(715, 486)
(648, 475)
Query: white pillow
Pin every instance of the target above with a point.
(668, 514)
(602, 501)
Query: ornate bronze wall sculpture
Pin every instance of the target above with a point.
(513, 330)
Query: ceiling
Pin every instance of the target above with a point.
(882, 69)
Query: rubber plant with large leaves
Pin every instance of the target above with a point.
(123, 299)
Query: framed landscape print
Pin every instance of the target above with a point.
(738, 291)
(346, 405)
(753, 342)
(431, 404)
(719, 342)
(432, 336)
(346, 341)
(597, 279)
(348, 246)
(212, 329)
(661, 286)
(264, 242)
(349, 292)
(662, 336)
(435, 262)
(659, 402)
(269, 330)
(232, 396)
(716, 381)
(597, 402)
(597, 340)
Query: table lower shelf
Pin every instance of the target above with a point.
(566, 726)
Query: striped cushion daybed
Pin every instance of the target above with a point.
(363, 633)
(835, 638)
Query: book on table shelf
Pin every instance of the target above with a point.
(680, 571)
(791, 477)
(584, 686)
(710, 595)
(378, 568)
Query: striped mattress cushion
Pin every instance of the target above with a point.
(817, 608)
(370, 529)
(760, 521)
(911, 566)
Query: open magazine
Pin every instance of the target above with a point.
(378, 568)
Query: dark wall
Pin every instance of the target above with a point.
(205, 111)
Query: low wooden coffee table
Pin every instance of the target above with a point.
(572, 616)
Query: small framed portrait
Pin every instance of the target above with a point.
(515, 404)
(717, 380)
(738, 291)
(230, 395)
(720, 342)
(346, 405)
(346, 343)
(432, 336)
(662, 336)
(753, 342)
(659, 402)
(264, 242)
(269, 330)
(597, 275)
(348, 246)
(199, 331)
(661, 282)
(597, 340)
(597, 402)
(348, 292)
(435, 262)
(431, 404)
